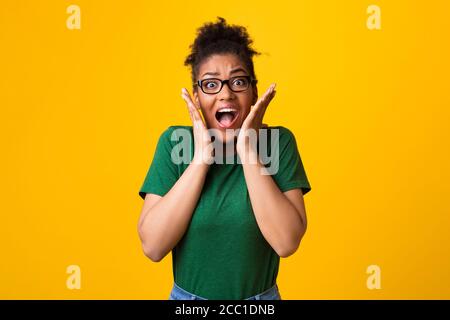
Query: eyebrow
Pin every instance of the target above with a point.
(217, 73)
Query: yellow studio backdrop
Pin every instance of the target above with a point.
(82, 107)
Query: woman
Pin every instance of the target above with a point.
(227, 224)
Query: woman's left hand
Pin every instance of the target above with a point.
(253, 121)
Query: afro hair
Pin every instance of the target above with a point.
(220, 38)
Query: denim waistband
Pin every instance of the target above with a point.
(179, 293)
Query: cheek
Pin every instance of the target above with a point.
(207, 103)
(207, 106)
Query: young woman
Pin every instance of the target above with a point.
(226, 224)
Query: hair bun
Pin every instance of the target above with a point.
(219, 38)
(214, 32)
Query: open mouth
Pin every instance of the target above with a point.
(226, 117)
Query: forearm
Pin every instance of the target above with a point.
(278, 219)
(166, 222)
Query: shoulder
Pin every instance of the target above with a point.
(171, 130)
(173, 133)
(284, 134)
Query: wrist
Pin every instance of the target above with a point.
(246, 148)
(200, 164)
(248, 156)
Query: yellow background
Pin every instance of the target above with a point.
(81, 112)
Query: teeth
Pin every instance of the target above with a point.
(227, 110)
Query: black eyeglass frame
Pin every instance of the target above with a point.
(250, 80)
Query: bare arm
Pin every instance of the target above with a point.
(281, 217)
(164, 220)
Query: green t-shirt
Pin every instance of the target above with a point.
(223, 254)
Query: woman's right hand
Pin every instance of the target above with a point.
(203, 147)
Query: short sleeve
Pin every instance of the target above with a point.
(163, 172)
(291, 173)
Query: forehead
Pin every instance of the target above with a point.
(222, 64)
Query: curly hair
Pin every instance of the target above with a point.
(220, 38)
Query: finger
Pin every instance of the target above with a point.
(269, 99)
(193, 113)
(265, 101)
(193, 109)
(263, 110)
(262, 103)
(189, 109)
(190, 104)
(267, 94)
(198, 118)
(187, 98)
(189, 101)
(191, 116)
(196, 114)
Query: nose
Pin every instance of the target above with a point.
(225, 93)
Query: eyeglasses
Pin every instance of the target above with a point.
(236, 84)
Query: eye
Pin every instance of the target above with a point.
(240, 82)
(211, 84)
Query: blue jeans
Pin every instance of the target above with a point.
(178, 293)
